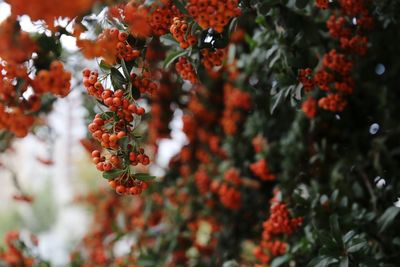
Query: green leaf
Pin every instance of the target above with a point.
(232, 26)
(173, 56)
(387, 218)
(180, 6)
(125, 70)
(335, 229)
(278, 261)
(169, 40)
(107, 115)
(348, 236)
(117, 79)
(145, 177)
(112, 174)
(357, 244)
(134, 91)
(344, 262)
(123, 142)
(301, 3)
(321, 261)
(104, 66)
(277, 99)
(250, 41)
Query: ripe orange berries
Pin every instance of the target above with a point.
(161, 17)
(56, 80)
(212, 59)
(213, 13)
(186, 70)
(144, 84)
(16, 46)
(110, 45)
(181, 32)
(279, 223)
(49, 10)
(334, 76)
(261, 170)
(309, 107)
(113, 129)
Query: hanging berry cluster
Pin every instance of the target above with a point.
(278, 224)
(334, 76)
(186, 70)
(236, 102)
(20, 90)
(115, 130)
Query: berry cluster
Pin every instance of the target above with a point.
(143, 83)
(18, 108)
(334, 76)
(15, 254)
(211, 59)
(136, 16)
(181, 32)
(15, 45)
(279, 223)
(161, 17)
(309, 107)
(48, 10)
(56, 80)
(236, 101)
(111, 45)
(228, 189)
(186, 70)
(213, 14)
(114, 130)
(202, 181)
(261, 170)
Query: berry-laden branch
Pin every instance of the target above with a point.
(334, 77)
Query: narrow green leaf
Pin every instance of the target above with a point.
(321, 261)
(104, 66)
(387, 218)
(344, 262)
(348, 236)
(335, 229)
(123, 142)
(112, 174)
(180, 6)
(125, 70)
(278, 261)
(169, 40)
(356, 245)
(134, 91)
(173, 56)
(277, 99)
(106, 115)
(117, 79)
(145, 177)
